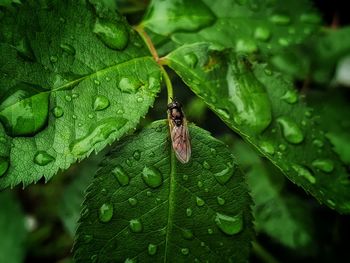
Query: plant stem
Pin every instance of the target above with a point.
(168, 84)
(263, 254)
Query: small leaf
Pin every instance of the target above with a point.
(61, 86)
(251, 100)
(12, 229)
(169, 211)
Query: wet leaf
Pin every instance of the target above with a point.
(188, 214)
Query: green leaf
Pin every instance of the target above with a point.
(73, 82)
(268, 113)
(243, 25)
(12, 229)
(145, 205)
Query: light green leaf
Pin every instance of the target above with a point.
(268, 113)
(246, 26)
(73, 82)
(12, 229)
(145, 205)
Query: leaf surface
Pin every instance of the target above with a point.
(144, 205)
(76, 80)
(267, 112)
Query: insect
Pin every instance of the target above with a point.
(179, 132)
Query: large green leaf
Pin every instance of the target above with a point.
(268, 113)
(145, 206)
(244, 25)
(12, 229)
(72, 82)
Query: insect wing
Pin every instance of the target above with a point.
(181, 142)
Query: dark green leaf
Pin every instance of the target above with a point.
(12, 229)
(144, 205)
(71, 83)
(267, 112)
(243, 25)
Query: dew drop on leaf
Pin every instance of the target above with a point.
(74, 116)
(129, 85)
(139, 99)
(53, 59)
(206, 165)
(189, 212)
(152, 176)
(101, 102)
(283, 42)
(191, 60)
(68, 49)
(105, 212)
(246, 46)
(132, 201)
(318, 143)
(200, 184)
(262, 33)
(4, 165)
(225, 175)
(137, 155)
(185, 251)
(43, 158)
(291, 96)
(210, 231)
(135, 225)
(280, 19)
(25, 112)
(185, 177)
(304, 172)
(57, 112)
(98, 134)
(87, 238)
(199, 201)
(220, 200)
(230, 225)
(267, 147)
(290, 130)
(152, 249)
(187, 234)
(68, 98)
(282, 147)
(97, 82)
(324, 165)
(113, 34)
(121, 175)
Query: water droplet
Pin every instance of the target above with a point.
(97, 82)
(262, 33)
(318, 143)
(280, 19)
(185, 177)
(210, 231)
(246, 46)
(135, 225)
(101, 103)
(53, 59)
(43, 158)
(185, 251)
(68, 49)
(90, 116)
(225, 175)
(200, 184)
(74, 116)
(152, 249)
(308, 113)
(267, 147)
(121, 175)
(304, 172)
(129, 85)
(132, 201)
(148, 193)
(105, 212)
(99, 133)
(191, 60)
(26, 111)
(223, 112)
(291, 130)
(68, 98)
(282, 147)
(206, 165)
(87, 238)
(187, 234)
(230, 225)
(4, 165)
(199, 201)
(152, 176)
(139, 99)
(114, 35)
(291, 96)
(189, 212)
(220, 200)
(57, 112)
(137, 155)
(310, 18)
(283, 42)
(324, 165)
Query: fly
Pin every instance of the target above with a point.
(179, 132)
